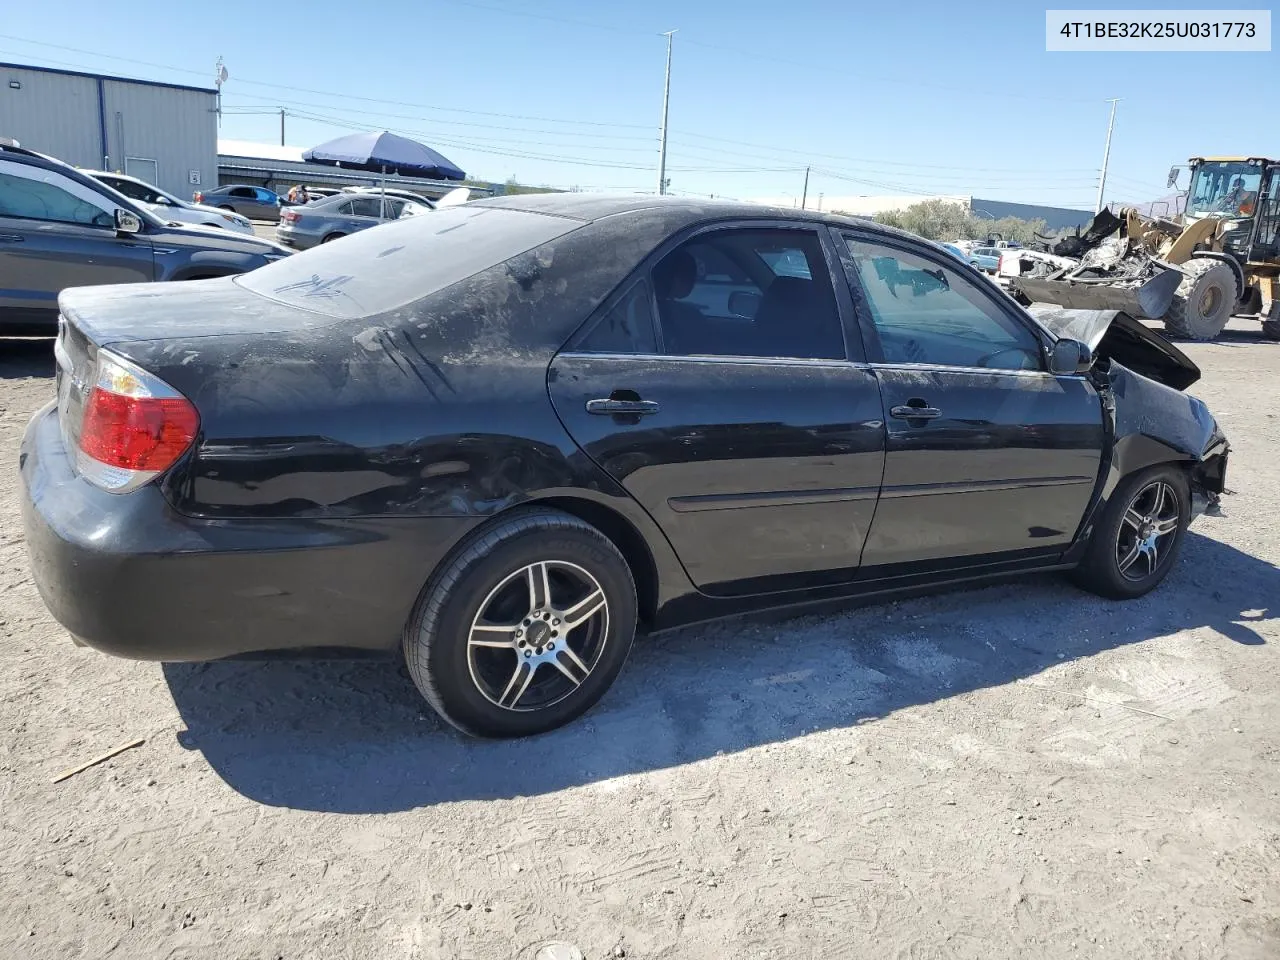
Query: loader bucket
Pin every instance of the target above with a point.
(1150, 299)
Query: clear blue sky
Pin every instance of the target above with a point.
(931, 97)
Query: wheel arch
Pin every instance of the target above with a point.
(1230, 261)
(624, 535)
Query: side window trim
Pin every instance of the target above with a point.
(875, 350)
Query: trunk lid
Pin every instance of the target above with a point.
(1115, 335)
(124, 313)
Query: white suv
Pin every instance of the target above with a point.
(168, 207)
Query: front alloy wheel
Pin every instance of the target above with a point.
(1147, 529)
(1137, 536)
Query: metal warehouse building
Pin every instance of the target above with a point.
(163, 133)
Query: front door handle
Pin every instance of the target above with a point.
(11, 238)
(624, 408)
(915, 410)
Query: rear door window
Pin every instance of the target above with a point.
(749, 293)
(374, 271)
(365, 207)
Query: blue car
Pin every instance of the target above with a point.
(986, 259)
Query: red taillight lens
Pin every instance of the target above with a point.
(135, 426)
(137, 433)
(290, 216)
(199, 197)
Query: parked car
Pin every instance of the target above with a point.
(255, 203)
(61, 228)
(393, 192)
(955, 251)
(986, 259)
(499, 437)
(305, 226)
(168, 207)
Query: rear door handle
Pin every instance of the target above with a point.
(613, 408)
(911, 412)
(11, 238)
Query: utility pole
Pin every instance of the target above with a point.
(219, 78)
(1106, 155)
(666, 101)
(805, 196)
(282, 126)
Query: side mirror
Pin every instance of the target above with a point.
(1070, 357)
(743, 303)
(127, 222)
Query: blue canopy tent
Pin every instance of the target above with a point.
(385, 153)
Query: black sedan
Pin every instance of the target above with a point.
(502, 436)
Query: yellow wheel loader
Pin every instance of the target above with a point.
(1219, 258)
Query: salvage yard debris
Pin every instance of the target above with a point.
(114, 751)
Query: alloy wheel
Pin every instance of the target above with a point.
(551, 614)
(1147, 530)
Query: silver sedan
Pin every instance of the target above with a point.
(320, 221)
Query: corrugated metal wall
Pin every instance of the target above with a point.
(58, 114)
(52, 113)
(178, 129)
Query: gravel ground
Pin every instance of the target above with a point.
(1018, 771)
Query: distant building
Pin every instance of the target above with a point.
(1056, 218)
(164, 133)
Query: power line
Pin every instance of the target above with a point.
(328, 93)
(454, 123)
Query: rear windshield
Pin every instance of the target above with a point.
(398, 263)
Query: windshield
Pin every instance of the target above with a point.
(400, 262)
(1224, 188)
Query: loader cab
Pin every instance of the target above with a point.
(1265, 243)
(1230, 189)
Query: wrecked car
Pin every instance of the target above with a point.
(500, 439)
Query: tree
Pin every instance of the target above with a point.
(953, 220)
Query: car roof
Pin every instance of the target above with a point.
(589, 207)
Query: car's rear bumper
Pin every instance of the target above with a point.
(128, 575)
(296, 240)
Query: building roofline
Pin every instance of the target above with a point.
(106, 76)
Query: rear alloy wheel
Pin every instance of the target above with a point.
(1204, 300)
(1138, 536)
(525, 628)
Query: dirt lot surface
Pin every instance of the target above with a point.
(1018, 771)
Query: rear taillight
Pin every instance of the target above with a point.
(135, 426)
(1000, 264)
(290, 216)
(198, 197)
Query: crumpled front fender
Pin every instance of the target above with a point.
(1153, 423)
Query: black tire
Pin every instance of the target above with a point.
(1271, 325)
(459, 678)
(1101, 569)
(332, 236)
(1204, 300)
(227, 207)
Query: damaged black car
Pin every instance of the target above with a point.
(501, 438)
